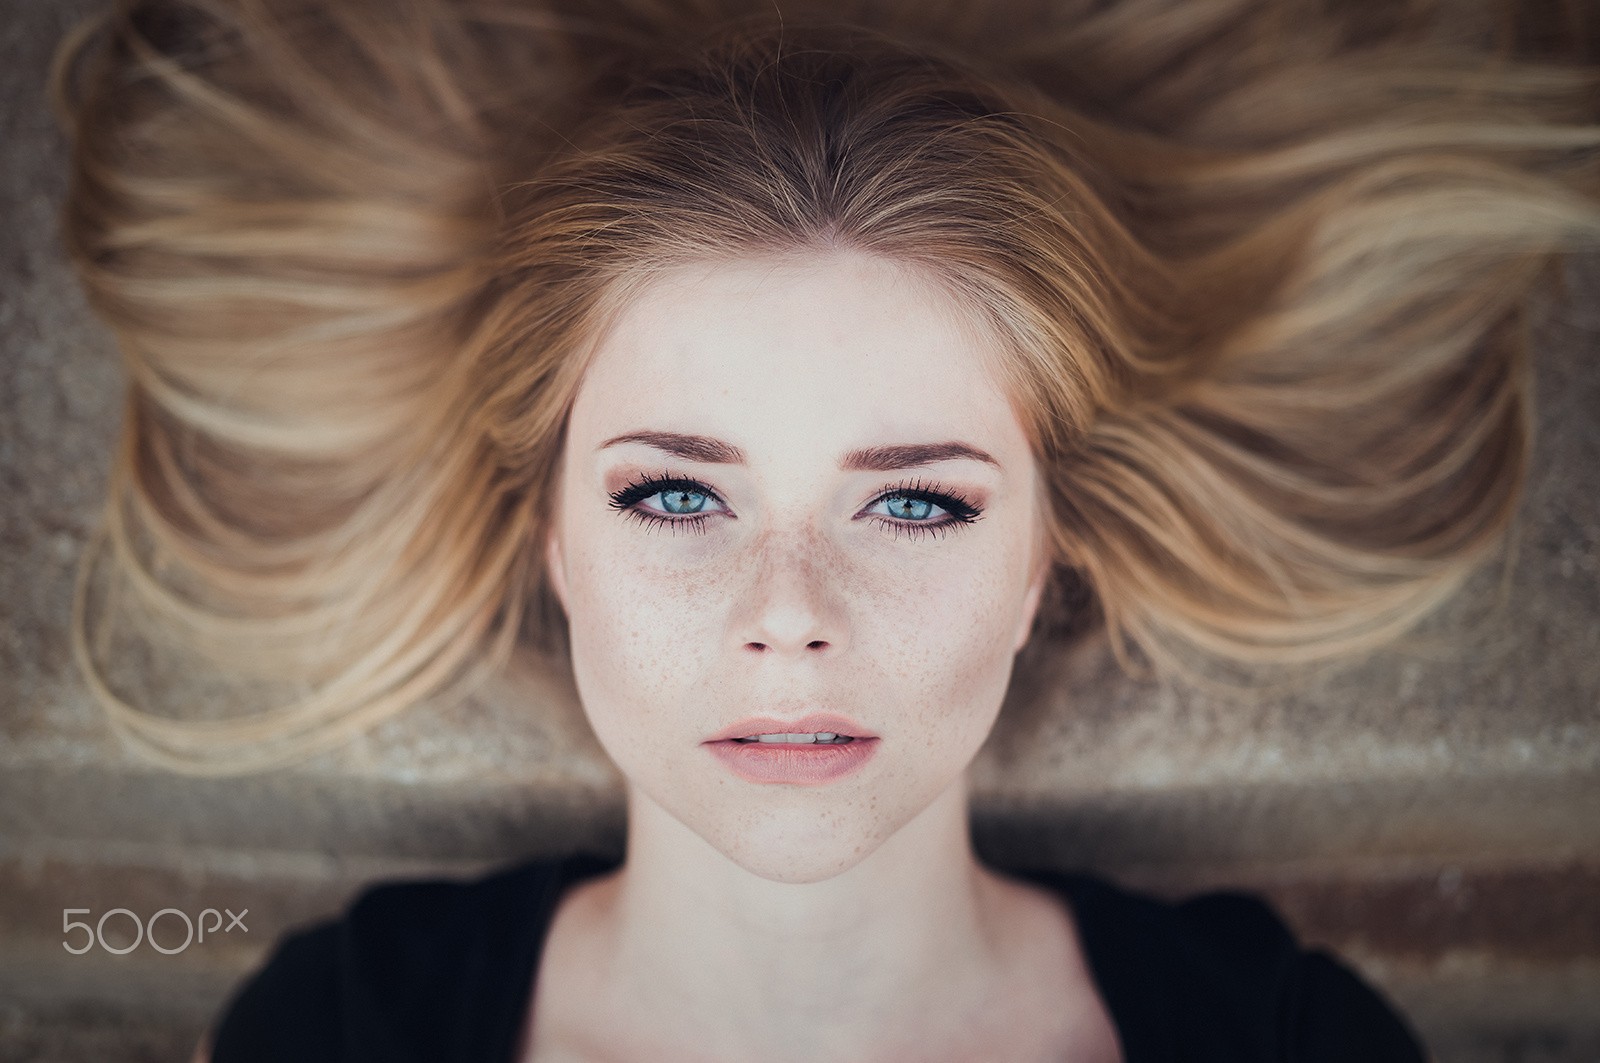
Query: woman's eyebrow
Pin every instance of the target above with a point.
(689, 448)
(868, 459)
(911, 456)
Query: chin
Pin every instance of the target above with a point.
(780, 860)
(794, 844)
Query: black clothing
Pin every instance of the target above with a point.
(442, 972)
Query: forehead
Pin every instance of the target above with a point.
(794, 351)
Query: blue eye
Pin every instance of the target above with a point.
(680, 502)
(909, 508)
(919, 509)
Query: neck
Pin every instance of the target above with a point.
(849, 967)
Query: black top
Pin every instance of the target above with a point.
(442, 972)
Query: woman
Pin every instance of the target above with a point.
(809, 373)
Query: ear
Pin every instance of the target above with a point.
(1030, 607)
(555, 567)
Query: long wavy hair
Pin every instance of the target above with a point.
(1259, 278)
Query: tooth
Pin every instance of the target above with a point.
(787, 738)
(826, 736)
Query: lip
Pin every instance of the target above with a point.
(828, 722)
(796, 764)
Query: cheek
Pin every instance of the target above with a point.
(642, 632)
(938, 636)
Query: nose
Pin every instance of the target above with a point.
(790, 606)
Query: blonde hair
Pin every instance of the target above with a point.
(1260, 286)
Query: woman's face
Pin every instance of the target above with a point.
(791, 487)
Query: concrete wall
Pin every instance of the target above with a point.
(1432, 813)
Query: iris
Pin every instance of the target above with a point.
(681, 501)
(908, 508)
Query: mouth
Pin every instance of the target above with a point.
(824, 729)
(812, 751)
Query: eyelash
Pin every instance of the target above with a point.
(958, 510)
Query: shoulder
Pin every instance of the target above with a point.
(1221, 976)
(400, 975)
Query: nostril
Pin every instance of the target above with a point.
(762, 647)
